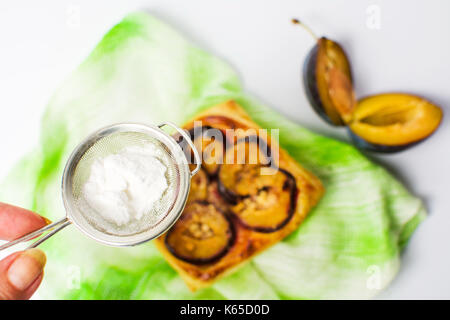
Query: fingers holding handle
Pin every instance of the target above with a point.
(16, 222)
(21, 272)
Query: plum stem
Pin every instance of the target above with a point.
(304, 26)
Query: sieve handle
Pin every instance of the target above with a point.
(53, 228)
(189, 141)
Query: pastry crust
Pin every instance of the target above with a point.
(230, 115)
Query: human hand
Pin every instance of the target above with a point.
(21, 272)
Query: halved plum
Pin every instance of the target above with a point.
(393, 122)
(202, 235)
(383, 123)
(327, 79)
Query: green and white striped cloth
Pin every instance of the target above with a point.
(145, 71)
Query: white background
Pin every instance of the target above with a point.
(41, 42)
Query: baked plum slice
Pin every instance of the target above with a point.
(202, 235)
(393, 122)
(199, 186)
(249, 150)
(263, 203)
(262, 197)
(211, 143)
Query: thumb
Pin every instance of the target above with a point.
(21, 273)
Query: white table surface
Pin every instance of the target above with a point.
(41, 42)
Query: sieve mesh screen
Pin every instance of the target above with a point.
(112, 144)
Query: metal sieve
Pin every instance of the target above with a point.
(112, 140)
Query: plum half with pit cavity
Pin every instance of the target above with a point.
(393, 122)
(327, 79)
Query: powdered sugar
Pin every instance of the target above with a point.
(125, 186)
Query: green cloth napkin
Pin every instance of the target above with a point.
(145, 71)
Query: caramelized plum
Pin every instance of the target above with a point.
(199, 186)
(263, 198)
(263, 203)
(202, 235)
(247, 152)
(211, 142)
(393, 122)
